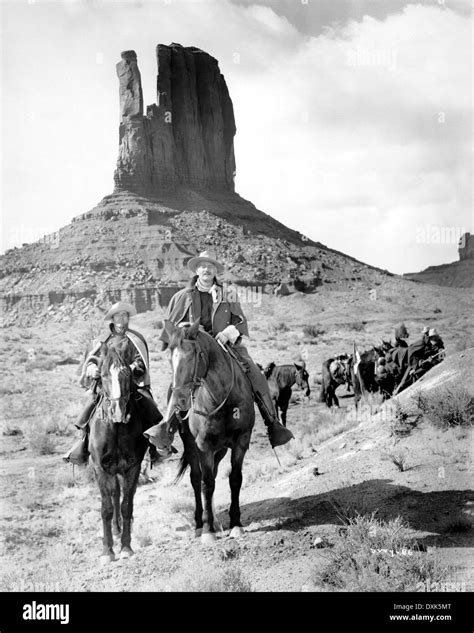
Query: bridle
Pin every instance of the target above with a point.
(199, 381)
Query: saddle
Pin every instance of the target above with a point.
(337, 371)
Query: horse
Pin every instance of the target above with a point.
(217, 396)
(365, 376)
(335, 372)
(117, 446)
(280, 380)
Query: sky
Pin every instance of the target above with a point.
(354, 118)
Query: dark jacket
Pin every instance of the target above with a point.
(141, 360)
(185, 306)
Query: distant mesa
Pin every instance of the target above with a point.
(466, 247)
(455, 274)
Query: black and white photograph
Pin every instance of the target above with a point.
(236, 282)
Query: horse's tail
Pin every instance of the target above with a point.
(183, 465)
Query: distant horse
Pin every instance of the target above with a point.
(117, 446)
(364, 373)
(217, 396)
(335, 372)
(280, 380)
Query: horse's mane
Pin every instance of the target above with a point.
(115, 356)
(181, 334)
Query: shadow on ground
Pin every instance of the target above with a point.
(442, 513)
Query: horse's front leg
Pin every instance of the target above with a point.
(192, 458)
(129, 488)
(106, 486)
(235, 481)
(116, 523)
(206, 460)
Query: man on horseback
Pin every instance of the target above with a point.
(401, 334)
(204, 299)
(118, 317)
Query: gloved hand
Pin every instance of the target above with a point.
(230, 333)
(92, 371)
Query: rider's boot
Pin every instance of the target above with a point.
(277, 433)
(161, 437)
(78, 454)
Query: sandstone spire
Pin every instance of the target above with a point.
(186, 139)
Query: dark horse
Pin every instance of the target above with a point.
(367, 375)
(280, 380)
(217, 395)
(117, 446)
(335, 372)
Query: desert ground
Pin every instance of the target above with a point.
(387, 488)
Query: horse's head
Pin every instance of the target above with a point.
(116, 377)
(302, 379)
(185, 354)
(385, 346)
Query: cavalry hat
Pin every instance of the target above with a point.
(425, 330)
(120, 306)
(205, 256)
(433, 332)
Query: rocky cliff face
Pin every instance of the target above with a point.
(186, 139)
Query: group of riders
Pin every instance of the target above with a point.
(219, 315)
(387, 367)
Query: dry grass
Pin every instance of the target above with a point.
(312, 331)
(372, 555)
(404, 421)
(277, 327)
(399, 459)
(356, 326)
(225, 579)
(446, 407)
(39, 439)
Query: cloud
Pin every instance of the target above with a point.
(369, 138)
(355, 136)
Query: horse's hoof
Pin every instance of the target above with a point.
(126, 553)
(198, 532)
(208, 538)
(237, 531)
(105, 559)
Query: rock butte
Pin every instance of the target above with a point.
(173, 197)
(186, 139)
